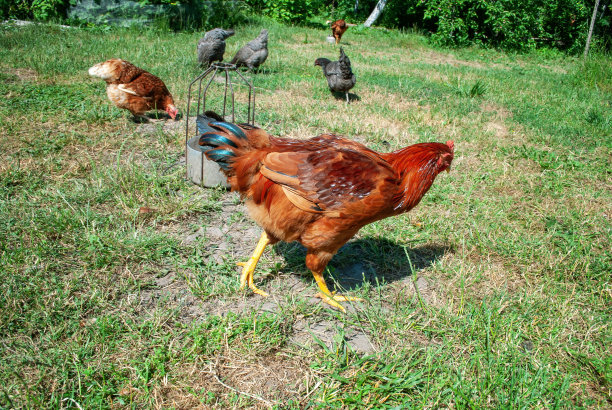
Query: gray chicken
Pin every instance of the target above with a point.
(212, 46)
(340, 77)
(254, 53)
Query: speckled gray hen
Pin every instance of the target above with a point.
(254, 53)
(340, 77)
(211, 47)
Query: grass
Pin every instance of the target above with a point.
(494, 292)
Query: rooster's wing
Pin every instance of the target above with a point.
(336, 181)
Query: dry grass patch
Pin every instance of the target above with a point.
(437, 58)
(20, 74)
(231, 379)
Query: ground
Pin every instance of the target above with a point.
(118, 279)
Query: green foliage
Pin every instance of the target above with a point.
(222, 13)
(14, 9)
(509, 24)
(43, 10)
(288, 11)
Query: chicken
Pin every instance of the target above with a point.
(340, 77)
(211, 47)
(320, 191)
(133, 88)
(338, 28)
(254, 53)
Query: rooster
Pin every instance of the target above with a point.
(133, 88)
(320, 191)
(339, 75)
(338, 28)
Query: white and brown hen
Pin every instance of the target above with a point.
(133, 88)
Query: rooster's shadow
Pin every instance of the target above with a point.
(367, 260)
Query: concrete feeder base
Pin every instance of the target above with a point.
(200, 170)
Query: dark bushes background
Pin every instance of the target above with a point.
(507, 24)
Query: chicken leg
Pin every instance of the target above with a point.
(330, 297)
(248, 267)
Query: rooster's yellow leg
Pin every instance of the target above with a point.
(330, 297)
(248, 267)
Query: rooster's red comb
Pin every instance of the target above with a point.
(451, 145)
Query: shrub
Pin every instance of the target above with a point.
(43, 10)
(287, 11)
(508, 24)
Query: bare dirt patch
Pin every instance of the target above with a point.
(165, 126)
(229, 236)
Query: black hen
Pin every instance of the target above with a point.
(340, 77)
(254, 53)
(211, 47)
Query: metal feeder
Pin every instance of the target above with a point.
(200, 170)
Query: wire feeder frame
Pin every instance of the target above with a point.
(202, 84)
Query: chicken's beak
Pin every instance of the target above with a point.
(448, 169)
(172, 112)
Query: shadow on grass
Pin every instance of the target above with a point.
(153, 116)
(371, 260)
(342, 96)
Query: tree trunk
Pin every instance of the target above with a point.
(376, 13)
(588, 42)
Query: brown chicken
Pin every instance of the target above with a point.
(133, 88)
(338, 28)
(320, 191)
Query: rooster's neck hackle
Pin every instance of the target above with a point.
(417, 167)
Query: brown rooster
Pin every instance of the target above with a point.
(320, 191)
(338, 28)
(133, 88)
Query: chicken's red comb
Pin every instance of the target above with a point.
(451, 145)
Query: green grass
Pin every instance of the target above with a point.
(102, 305)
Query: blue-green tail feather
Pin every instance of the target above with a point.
(233, 128)
(216, 140)
(223, 157)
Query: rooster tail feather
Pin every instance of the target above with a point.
(220, 147)
(238, 149)
(223, 157)
(222, 142)
(216, 140)
(233, 128)
(202, 124)
(345, 65)
(212, 122)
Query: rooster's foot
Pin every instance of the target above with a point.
(333, 300)
(248, 267)
(247, 276)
